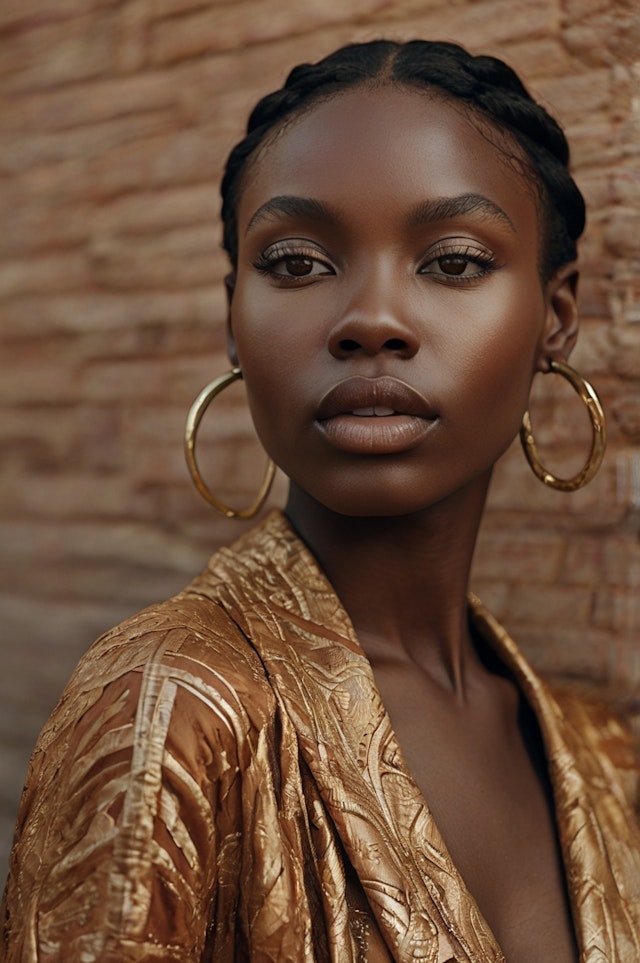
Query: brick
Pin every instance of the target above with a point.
(483, 27)
(621, 235)
(516, 489)
(519, 556)
(99, 101)
(578, 11)
(229, 454)
(132, 31)
(160, 341)
(111, 313)
(175, 259)
(168, 8)
(545, 57)
(594, 297)
(71, 495)
(163, 425)
(91, 582)
(50, 54)
(38, 228)
(64, 272)
(155, 161)
(32, 13)
(38, 382)
(628, 488)
(625, 286)
(567, 653)
(599, 562)
(626, 412)
(117, 541)
(38, 438)
(91, 140)
(626, 350)
(559, 606)
(577, 95)
(593, 144)
(598, 189)
(149, 379)
(625, 184)
(608, 36)
(593, 351)
(151, 212)
(232, 27)
(617, 609)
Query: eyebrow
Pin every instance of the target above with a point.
(438, 209)
(292, 206)
(446, 208)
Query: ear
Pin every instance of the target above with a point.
(561, 323)
(230, 286)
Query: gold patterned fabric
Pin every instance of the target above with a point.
(220, 782)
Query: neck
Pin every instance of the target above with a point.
(404, 579)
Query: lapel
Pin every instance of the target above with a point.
(273, 589)
(599, 836)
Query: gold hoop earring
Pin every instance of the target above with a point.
(596, 414)
(194, 418)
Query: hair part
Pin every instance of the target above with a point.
(485, 86)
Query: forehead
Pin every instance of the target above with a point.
(383, 148)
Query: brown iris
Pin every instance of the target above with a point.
(299, 266)
(452, 264)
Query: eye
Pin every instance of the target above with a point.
(293, 261)
(454, 264)
(298, 266)
(458, 260)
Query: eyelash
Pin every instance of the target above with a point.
(280, 252)
(485, 261)
(283, 251)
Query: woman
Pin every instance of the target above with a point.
(324, 749)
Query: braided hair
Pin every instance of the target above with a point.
(484, 85)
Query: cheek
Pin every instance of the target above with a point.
(505, 328)
(493, 363)
(269, 356)
(267, 334)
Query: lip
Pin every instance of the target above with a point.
(393, 416)
(353, 394)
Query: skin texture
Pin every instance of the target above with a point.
(368, 274)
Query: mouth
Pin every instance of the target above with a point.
(377, 411)
(374, 398)
(374, 416)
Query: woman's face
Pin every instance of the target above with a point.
(388, 313)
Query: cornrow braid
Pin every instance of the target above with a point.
(485, 85)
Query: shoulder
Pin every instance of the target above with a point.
(185, 651)
(190, 633)
(136, 788)
(165, 743)
(177, 686)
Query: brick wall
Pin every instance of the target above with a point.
(116, 118)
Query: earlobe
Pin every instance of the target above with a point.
(561, 325)
(230, 286)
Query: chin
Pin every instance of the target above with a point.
(379, 504)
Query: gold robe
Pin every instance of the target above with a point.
(220, 781)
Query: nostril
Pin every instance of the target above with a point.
(348, 344)
(395, 344)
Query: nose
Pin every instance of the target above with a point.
(373, 323)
